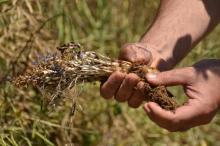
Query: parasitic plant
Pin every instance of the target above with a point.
(74, 65)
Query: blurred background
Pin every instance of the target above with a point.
(31, 28)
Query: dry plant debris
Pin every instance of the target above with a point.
(57, 73)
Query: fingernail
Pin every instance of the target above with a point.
(152, 76)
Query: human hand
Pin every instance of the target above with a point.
(201, 84)
(126, 87)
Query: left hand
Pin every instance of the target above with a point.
(122, 85)
(201, 84)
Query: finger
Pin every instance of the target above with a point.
(110, 87)
(185, 117)
(172, 77)
(194, 113)
(141, 88)
(136, 99)
(135, 53)
(127, 87)
(159, 116)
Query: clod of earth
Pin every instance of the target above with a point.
(74, 65)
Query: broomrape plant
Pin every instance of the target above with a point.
(74, 65)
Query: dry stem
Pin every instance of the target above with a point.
(60, 72)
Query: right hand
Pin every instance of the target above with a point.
(127, 87)
(201, 83)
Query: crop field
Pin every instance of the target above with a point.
(31, 29)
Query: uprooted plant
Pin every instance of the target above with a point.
(61, 72)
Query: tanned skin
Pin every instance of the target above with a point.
(178, 26)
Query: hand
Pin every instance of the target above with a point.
(201, 84)
(122, 85)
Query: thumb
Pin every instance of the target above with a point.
(173, 77)
(135, 52)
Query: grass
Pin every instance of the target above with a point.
(29, 28)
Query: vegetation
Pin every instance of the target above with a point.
(30, 29)
(74, 65)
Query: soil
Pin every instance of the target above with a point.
(158, 94)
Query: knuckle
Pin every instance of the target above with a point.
(118, 75)
(131, 79)
(140, 86)
(127, 53)
(133, 76)
(108, 89)
(190, 74)
(135, 52)
(135, 101)
(133, 105)
(116, 78)
(126, 49)
(120, 98)
(128, 46)
(123, 93)
(103, 94)
(102, 90)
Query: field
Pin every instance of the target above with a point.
(32, 28)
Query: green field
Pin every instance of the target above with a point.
(32, 28)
